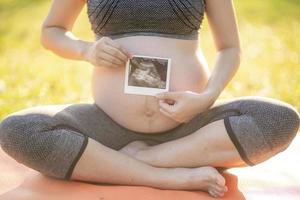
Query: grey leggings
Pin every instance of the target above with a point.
(51, 139)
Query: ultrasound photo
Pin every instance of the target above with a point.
(147, 75)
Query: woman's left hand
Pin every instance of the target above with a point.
(182, 106)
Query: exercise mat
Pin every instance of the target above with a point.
(18, 182)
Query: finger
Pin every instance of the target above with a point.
(113, 61)
(170, 115)
(118, 46)
(109, 58)
(166, 107)
(115, 52)
(104, 63)
(166, 113)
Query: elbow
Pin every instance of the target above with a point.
(234, 48)
(44, 41)
(236, 56)
(47, 36)
(234, 52)
(237, 53)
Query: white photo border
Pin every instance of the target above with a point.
(128, 89)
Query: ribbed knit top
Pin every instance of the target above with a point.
(166, 18)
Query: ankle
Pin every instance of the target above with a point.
(165, 178)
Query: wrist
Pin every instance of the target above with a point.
(84, 50)
(211, 94)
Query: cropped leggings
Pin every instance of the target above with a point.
(51, 139)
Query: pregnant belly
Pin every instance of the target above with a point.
(140, 112)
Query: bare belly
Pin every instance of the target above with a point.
(139, 112)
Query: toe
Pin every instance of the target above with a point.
(214, 193)
(220, 180)
(225, 188)
(219, 189)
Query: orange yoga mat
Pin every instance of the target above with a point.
(18, 182)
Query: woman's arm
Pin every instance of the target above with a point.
(56, 32)
(185, 105)
(57, 36)
(222, 21)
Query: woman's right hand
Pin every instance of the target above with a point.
(106, 53)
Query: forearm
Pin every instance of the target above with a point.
(64, 43)
(226, 65)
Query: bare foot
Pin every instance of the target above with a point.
(202, 178)
(207, 179)
(132, 148)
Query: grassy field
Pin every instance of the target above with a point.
(30, 75)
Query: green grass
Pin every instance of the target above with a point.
(269, 33)
(30, 75)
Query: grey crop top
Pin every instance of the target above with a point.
(166, 18)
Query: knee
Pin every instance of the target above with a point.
(42, 143)
(277, 121)
(11, 133)
(286, 125)
(18, 135)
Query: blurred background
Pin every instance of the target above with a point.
(31, 75)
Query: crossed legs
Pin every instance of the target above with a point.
(110, 166)
(208, 146)
(80, 142)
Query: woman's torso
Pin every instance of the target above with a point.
(139, 112)
(143, 21)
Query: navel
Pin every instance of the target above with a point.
(149, 112)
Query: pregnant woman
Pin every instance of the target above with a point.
(175, 140)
